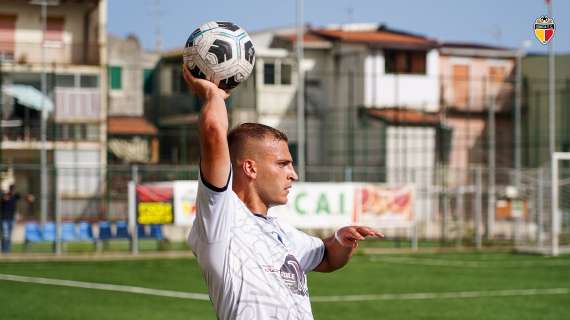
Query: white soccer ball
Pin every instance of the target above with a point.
(220, 52)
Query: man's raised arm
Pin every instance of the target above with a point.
(213, 130)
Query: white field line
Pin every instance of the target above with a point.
(470, 264)
(343, 298)
(441, 295)
(106, 287)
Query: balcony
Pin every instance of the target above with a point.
(52, 52)
(77, 104)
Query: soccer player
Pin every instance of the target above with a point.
(254, 265)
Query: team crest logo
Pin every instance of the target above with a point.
(544, 29)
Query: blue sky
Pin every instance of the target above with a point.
(504, 22)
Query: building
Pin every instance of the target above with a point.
(477, 83)
(71, 52)
(365, 82)
(536, 109)
(131, 138)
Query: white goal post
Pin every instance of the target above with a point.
(556, 213)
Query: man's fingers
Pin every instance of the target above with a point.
(365, 231)
(187, 74)
(355, 235)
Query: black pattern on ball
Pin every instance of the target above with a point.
(229, 83)
(249, 52)
(190, 41)
(197, 73)
(227, 25)
(222, 50)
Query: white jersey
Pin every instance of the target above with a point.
(255, 267)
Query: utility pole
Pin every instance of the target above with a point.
(551, 93)
(300, 94)
(518, 115)
(157, 31)
(44, 115)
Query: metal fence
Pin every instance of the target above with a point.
(465, 213)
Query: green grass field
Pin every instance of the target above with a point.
(419, 286)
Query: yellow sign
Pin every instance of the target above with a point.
(155, 213)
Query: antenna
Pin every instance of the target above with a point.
(349, 14)
(157, 31)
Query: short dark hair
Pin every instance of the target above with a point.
(245, 131)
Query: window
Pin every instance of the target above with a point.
(268, 73)
(92, 133)
(77, 132)
(286, 70)
(277, 73)
(89, 81)
(147, 81)
(405, 61)
(461, 85)
(54, 30)
(115, 77)
(497, 74)
(7, 33)
(64, 80)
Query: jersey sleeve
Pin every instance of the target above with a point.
(308, 250)
(215, 211)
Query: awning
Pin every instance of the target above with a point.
(130, 126)
(28, 96)
(404, 117)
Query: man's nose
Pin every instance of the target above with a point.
(294, 175)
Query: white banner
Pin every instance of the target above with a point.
(322, 205)
(185, 202)
(318, 205)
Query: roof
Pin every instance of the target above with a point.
(404, 116)
(472, 45)
(124, 125)
(470, 49)
(375, 36)
(381, 37)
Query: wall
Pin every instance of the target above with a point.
(419, 92)
(28, 35)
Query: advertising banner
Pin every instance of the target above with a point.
(310, 205)
(185, 202)
(386, 206)
(154, 203)
(318, 205)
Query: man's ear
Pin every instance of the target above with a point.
(249, 168)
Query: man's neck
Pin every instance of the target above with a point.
(251, 200)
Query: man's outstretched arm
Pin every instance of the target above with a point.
(213, 130)
(340, 246)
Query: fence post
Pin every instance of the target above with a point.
(478, 207)
(491, 165)
(58, 217)
(460, 216)
(540, 208)
(132, 210)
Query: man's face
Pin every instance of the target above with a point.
(275, 172)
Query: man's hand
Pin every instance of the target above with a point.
(340, 246)
(348, 237)
(202, 88)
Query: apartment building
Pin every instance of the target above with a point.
(55, 60)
